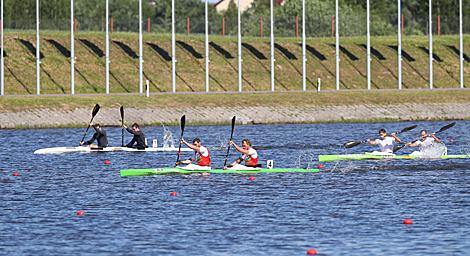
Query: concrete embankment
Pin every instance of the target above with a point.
(50, 118)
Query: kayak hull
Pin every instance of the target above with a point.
(59, 150)
(330, 158)
(168, 171)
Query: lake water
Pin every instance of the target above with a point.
(350, 207)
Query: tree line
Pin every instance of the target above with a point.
(318, 12)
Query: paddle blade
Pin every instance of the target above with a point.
(233, 122)
(446, 127)
(122, 113)
(183, 123)
(352, 144)
(396, 148)
(409, 128)
(95, 110)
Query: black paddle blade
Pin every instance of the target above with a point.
(352, 144)
(409, 128)
(183, 123)
(122, 113)
(233, 122)
(396, 148)
(446, 127)
(95, 110)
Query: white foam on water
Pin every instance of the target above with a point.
(306, 160)
(437, 150)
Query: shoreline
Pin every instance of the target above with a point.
(201, 116)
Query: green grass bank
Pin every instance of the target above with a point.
(20, 63)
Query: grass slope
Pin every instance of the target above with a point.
(20, 63)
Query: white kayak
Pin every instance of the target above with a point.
(58, 150)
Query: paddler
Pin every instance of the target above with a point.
(249, 154)
(100, 136)
(385, 143)
(201, 153)
(425, 142)
(139, 137)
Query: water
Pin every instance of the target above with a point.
(351, 207)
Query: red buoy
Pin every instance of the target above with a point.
(80, 213)
(15, 174)
(320, 166)
(311, 251)
(179, 153)
(173, 194)
(451, 140)
(107, 162)
(252, 178)
(408, 221)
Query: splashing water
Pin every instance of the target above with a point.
(435, 151)
(305, 160)
(168, 140)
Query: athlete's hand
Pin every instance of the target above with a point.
(408, 144)
(368, 140)
(393, 134)
(124, 127)
(81, 143)
(231, 143)
(432, 134)
(225, 167)
(92, 124)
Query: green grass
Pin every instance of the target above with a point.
(20, 63)
(276, 99)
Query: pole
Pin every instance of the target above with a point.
(173, 59)
(38, 54)
(460, 43)
(148, 26)
(107, 47)
(368, 45)
(399, 44)
(72, 50)
(207, 49)
(304, 57)
(272, 47)
(239, 50)
(2, 70)
(337, 47)
(430, 46)
(141, 52)
(297, 26)
(261, 25)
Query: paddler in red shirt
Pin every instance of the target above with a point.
(201, 153)
(249, 154)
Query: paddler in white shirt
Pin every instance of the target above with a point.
(249, 154)
(425, 142)
(201, 153)
(385, 143)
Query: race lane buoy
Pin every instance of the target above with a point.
(173, 194)
(80, 213)
(179, 153)
(107, 162)
(407, 221)
(320, 166)
(15, 174)
(311, 251)
(251, 178)
(451, 140)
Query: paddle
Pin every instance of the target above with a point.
(355, 143)
(183, 123)
(231, 136)
(122, 124)
(93, 114)
(446, 127)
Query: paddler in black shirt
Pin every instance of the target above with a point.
(100, 136)
(139, 137)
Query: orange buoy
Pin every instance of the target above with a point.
(107, 162)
